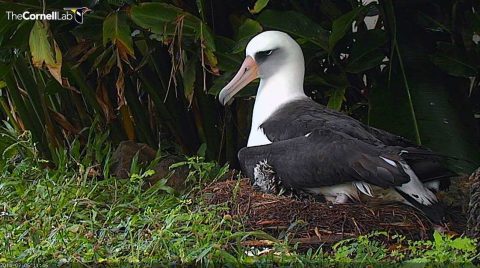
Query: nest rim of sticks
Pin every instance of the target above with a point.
(310, 222)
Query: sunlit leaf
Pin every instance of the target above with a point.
(259, 6)
(45, 52)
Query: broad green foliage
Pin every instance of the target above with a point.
(297, 25)
(342, 25)
(367, 51)
(117, 31)
(417, 98)
(150, 71)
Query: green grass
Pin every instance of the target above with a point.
(68, 214)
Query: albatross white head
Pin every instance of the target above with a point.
(277, 60)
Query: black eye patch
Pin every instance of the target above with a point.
(263, 55)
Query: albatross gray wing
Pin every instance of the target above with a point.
(325, 158)
(299, 118)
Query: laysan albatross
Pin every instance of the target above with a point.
(306, 146)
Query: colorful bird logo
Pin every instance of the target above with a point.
(78, 13)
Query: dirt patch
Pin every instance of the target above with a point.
(311, 222)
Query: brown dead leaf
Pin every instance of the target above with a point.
(63, 122)
(104, 102)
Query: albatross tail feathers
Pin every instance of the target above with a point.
(420, 196)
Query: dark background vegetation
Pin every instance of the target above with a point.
(150, 71)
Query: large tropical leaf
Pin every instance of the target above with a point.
(421, 103)
(246, 31)
(117, 31)
(162, 18)
(366, 52)
(297, 25)
(44, 51)
(344, 24)
(456, 62)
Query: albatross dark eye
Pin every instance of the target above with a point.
(268, 52)
(262, 55)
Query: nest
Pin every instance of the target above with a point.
(310, 222)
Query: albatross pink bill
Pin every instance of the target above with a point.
(247, 73)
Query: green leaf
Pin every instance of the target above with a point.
(296, 24)
(4, 69)
(438, 238)
(337, 96)
(432, 23)
(365, 51)
(189, 75)
(259, 6)
(342, 25)
(417, 102)
(454, 66)
(119, 2)
(40, 47)
(21, 31)
(201, 8)
(246, 31)
(463, 243)
(153, 16)
(43, 52)
(227, 61)
(454, 61)
(367, 62)
(161, 18)
(205, 35)
(329, 80)
(117, 31)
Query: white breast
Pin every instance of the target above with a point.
(257, 137)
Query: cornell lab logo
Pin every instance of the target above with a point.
(69, 13)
